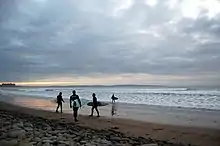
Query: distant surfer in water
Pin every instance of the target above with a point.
(73, 104)
(113, 98)
(95, 105)
(59, 102)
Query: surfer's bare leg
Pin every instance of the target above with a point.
(58, 105)
(61, 107)
(75, 113)
(92, 111)
(97, 111)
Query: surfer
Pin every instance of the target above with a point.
(114, 98)
(59, 102)
(95, 105)
(73, 104)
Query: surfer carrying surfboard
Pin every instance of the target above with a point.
(95, 105)
(114, 98)
(75, 103)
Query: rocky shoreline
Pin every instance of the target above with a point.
(19, 129)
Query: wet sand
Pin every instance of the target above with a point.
(155, 124)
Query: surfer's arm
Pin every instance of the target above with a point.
(70, 102)
(79, 102)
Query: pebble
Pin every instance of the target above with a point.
(51, 132)
(115, 138)
(16, 134)
(13, 142)
(28, 125)
(152, 144)
(26, 144)
(62, 144)
(46, 144)
(33, 143)
(39, 144)
(37, 139)
(47, 141)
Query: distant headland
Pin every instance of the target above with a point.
(7, 85)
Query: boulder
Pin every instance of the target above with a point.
(152, 144)
(16, 134)
(13, 142)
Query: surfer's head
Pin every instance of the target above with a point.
(60, 93)
(93, 94)
(74, 91)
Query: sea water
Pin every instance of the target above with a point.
(205, 98)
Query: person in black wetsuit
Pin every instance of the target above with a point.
(59, 102)
(95, 105)
(73, 99)
(113, 98)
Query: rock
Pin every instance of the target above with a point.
(33, 143)
(82, 142)
(19, 125)
(66, 135)
(48, 135)
(16, 134)
(47, 141)
(4, 135)
(60, 138)
(7, 123)
(59, 134)
(39, 144)
(8, 127)
(37, 139)
(36, 133)
(90, 144)
(25, 144)
(28, 129)
(104, 141)
(64, 142)
(53, 132)
(28, 125)
(112, 138)
(152, 144)
(115, 128)
(9, 142)
(46, 144)
(53, 137)
(49, 128)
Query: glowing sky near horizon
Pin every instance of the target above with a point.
(48, 42)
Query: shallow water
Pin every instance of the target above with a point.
(174, 97)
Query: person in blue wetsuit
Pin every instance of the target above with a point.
(95, 105)
(59, 102)
(74, 98)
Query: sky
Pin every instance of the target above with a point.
(77, 42)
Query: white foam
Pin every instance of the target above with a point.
(177, 97)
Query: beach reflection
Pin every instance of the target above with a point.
(34, 103)
(114, 109)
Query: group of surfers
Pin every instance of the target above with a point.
(74, 99)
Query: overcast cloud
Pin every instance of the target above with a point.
(52, 39)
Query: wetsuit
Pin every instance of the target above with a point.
(74, 105)
(59, 103)
(95, 106)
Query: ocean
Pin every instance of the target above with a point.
(201, 98)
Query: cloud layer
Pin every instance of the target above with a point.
(46, 39)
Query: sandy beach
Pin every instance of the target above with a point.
(150, 129)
